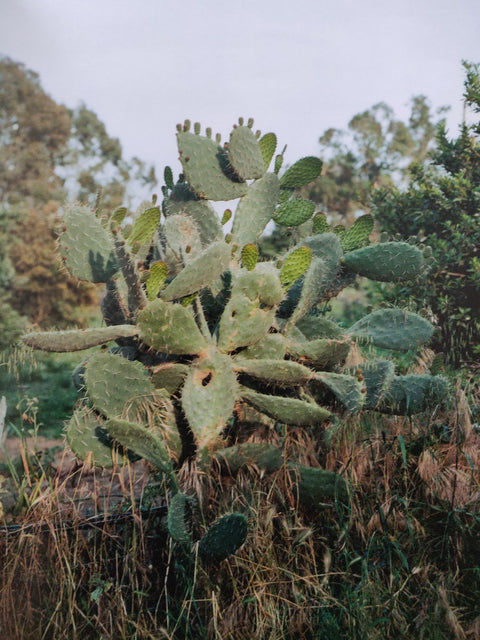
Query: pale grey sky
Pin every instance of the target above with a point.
(298, 67)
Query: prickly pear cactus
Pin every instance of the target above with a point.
(201, 318)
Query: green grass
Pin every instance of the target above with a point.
(42, 386)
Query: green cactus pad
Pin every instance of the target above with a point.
(262, 454)
(313, 326)
(249, 256)
(294, 212)
(245, 154)
(178, 518)
(377, 377)
(317, 487)
(263, 284)
(255, 210)
(86, 247)
(209, 395)
(243, 322)
(88, 439)
(302, 172)
(267, 144)
(358, 234)
(392, 329)
(295, 265)
(315, 283)
(320, 224)
(223, 538)
(387, 262)
(286, 410)
(181, 232)
(205, 164)
(274, 371)
(76, 339)
(170, 328)
(144, 227)
(347, 389)
(156, 279)
(118, 387)
(144, 442)
(169, 376)
(271, 346)
(185, 202)
(412, 394)
(321, 352)
(201, 272)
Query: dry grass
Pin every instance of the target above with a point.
(400, 562)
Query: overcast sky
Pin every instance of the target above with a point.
(297, 66)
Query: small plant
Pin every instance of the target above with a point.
(207, 333)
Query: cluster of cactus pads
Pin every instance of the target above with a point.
(207, 332)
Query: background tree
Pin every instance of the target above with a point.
(376, 150)
(49, 153)
(441, 204)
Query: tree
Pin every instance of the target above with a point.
(441, 205)
(375, 151)
(49, 153)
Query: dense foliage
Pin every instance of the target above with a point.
(442, 206)
(47, 153)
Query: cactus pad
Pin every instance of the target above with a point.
(209, 395)
(205, 164)
(392, 329)
(144, 442)
(76, 339)
(294, 212)
(302, 172)
(286, 410)
(262, 454)
(267, 144)
(295, 265)
(89, 440)
(318, 486)
(200, 272)
(410, 394)
(255, 210)
(86, 247)
(249, 256)
(223, 538)
(118, 387)
(387, 262)
(245, 154)
(170, 328)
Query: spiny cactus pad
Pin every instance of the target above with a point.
(89, 440)
(392, 329)
(76, 339)
(317, 486)
(245, 154)
(286, 410)
(170, 328)
(410, 394)
(302, 172)
(118, 387)
(387, 262)
(205, 164)
(223, 538)
(141, 441)
(209, 394)
(86, 246)
(255, 210)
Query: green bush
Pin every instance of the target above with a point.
(442, 206)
